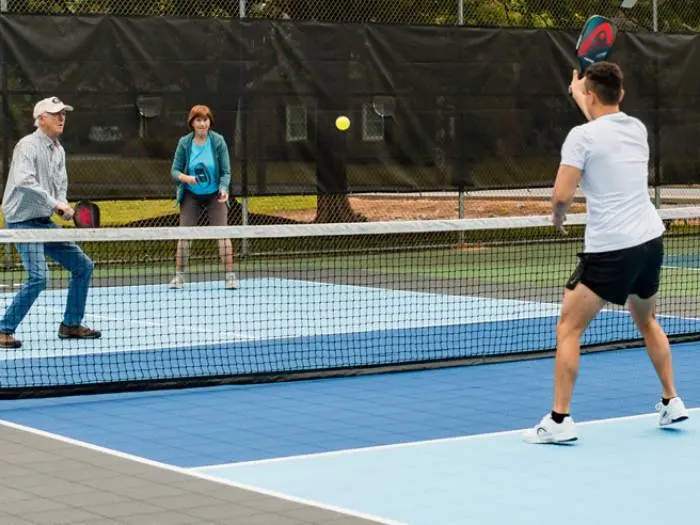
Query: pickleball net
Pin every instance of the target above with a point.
(317, 300)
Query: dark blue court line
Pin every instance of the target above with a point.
(319, 352)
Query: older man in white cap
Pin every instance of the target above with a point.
(37, 188)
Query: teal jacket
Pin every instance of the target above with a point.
(181, 161)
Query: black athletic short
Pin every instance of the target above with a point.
(615, 275)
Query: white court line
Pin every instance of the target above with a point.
(147, 324)
(692, 269)
(666, 316)
(192, 473)
(414, 443)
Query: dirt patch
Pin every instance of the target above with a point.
(395, 209)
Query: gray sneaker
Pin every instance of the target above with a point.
(177, 282)
(231, 281)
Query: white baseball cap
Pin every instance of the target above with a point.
(50, 105)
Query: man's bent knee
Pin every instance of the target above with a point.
(86, 267)
(646, 322)
(643, 310)
(570, 325)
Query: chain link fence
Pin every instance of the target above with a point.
(677, 16)
(646, 15)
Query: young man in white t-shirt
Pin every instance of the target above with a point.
(623, 246)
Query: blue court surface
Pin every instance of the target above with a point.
(280, 325)
(433, 447)
(437, 447)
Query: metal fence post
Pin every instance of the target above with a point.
(657, 175)
(241, 107)
(460, 21)
(7, 248)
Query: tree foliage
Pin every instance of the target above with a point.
(672, 15)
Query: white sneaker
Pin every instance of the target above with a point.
(177, 282)
(231, 281)
(673, 413)
(548, 431)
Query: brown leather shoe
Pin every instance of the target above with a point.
(77, 332)
(9, 341)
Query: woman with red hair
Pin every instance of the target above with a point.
(202, 170)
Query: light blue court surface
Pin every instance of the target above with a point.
(280, 325)
(625, 471)
(621, 470)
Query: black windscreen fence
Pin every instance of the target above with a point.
(431, 108)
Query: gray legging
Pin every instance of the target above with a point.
(217, 212)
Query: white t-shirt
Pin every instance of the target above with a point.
(613, 153)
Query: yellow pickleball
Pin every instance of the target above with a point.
(342, 123)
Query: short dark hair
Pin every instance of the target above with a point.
(605, 80)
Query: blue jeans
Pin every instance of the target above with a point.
(33, 255)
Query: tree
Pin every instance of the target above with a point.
(673, 15)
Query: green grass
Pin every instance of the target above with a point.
(116, 213)
(273, 205)
(119, 212)
(680, 282)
